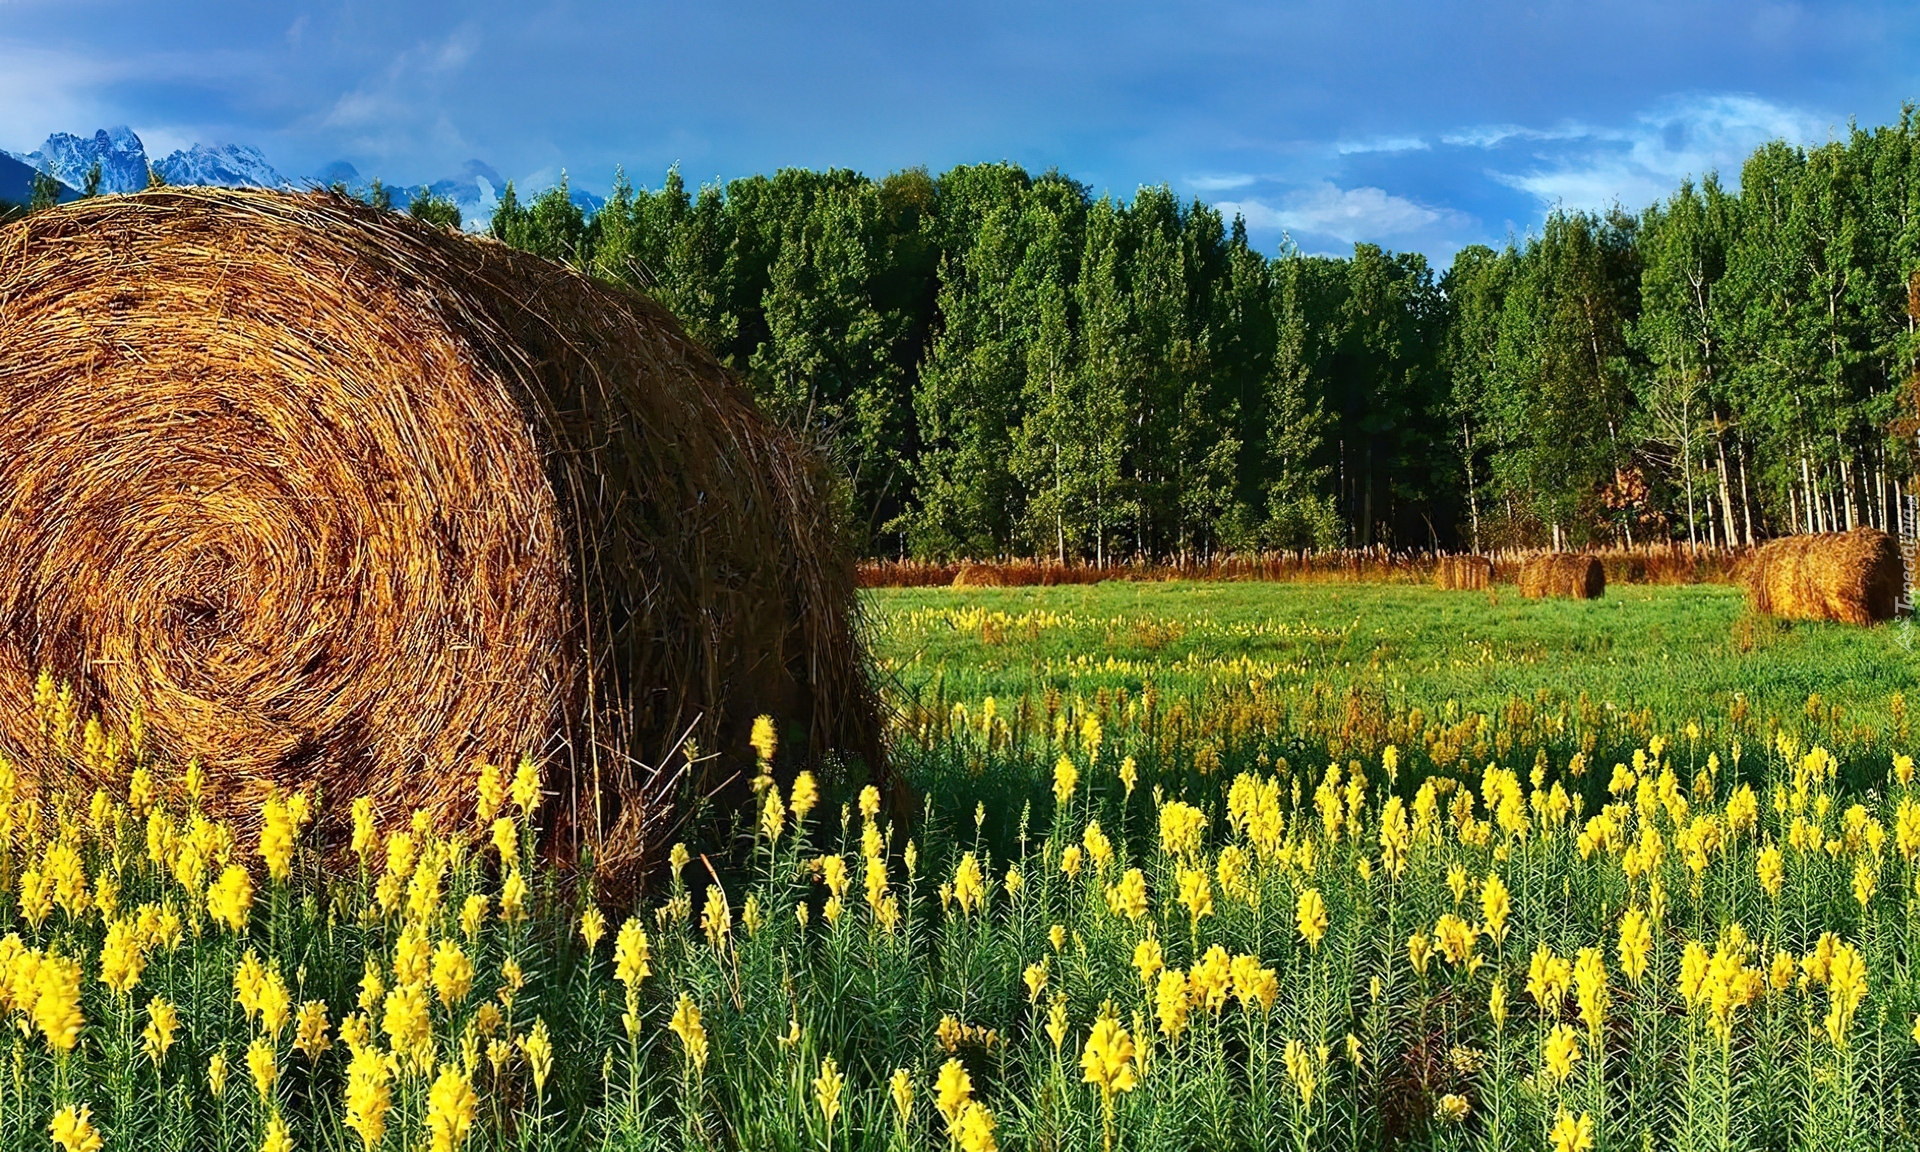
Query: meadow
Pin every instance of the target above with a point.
(1196, 867)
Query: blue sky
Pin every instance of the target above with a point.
(1417, 124)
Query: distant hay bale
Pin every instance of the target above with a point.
(973, 575)
(334, 497)
(1566, 575)
(1463, 573)
(1849, 577)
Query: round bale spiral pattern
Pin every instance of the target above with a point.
(331, 496)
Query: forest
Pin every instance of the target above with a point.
(1002, 364)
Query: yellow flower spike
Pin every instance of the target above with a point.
(121, 958)
(489, 794)
(1057, 1021)
(526, 786)
(1560, 1053)
(969, 887)
(450, 1109)
(452, 974)
(1590, 981)
(505, 836)
(900, 1087)
(56, 1001)
(952, 1091)
(593, 927)
(1497, 1002)
(231, 898)
(537, 1047)
(513, 898)
(973, 1132)
(276, 838)
(1171, 1004)
(1128, 898)
(826, 1090)
(1310, 917)
(1548, 979)
(1572, 1134)
(278, 1138)
(217, 1074)
(1035, 978)
(262, 1065)
(869, 802)
(1636, 944)
(163, 1020)
(1452, 1108)
(765, 741)
(693, 1035)
(1148, 960)
(1495, 906)
(1065, 778)
(368, 1096)
(72, 1129)
(1301, 1071)
(310, 1026)
(473, 915)
(773, 814)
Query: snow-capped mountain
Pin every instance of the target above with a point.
(475, 188)
(68, 159)
(221, 166)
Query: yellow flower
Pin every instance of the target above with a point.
(1065, 777)
(1301, 1071)
(693, 1035)
(1128, 898)
(1548, 978)
(969, 887)
(513, 898)
(1181, 827)
(537, 1046)
(217, 1074)
(1210, 979)
(1452, 1108)
(56, 1001)
(1148, 959)
(1253, 983)
(121, 960)
(1170, 1004)
(473, 915)
(1636, 943)
(1572, 1135)
(1057, 1020)
(72, 1129)
(231, 898)
(1590, 982)
(806, 794)
(526, 786)
(974, 1129)
(1495, 905)
(506, 841)
(773, 814)
(368, 1096)
(262, 1064)
(1419, 950)
(1107, 1060)
(450, 1108)
(1772, 870)
(952, 1091)
(1561, 1052)
(278, 1138)
(1497, 1001)
(826, 1089)
(900, 1087)
(452, 974)
(1035, 979)
(310, 1029)
(406, 1021)
(1846, 988)
(764, 739)
(1099, 848)
(162, 1021)
(593, 926)
(1455, 938)
(1196, 894)
(276, 838)
(1311, 917)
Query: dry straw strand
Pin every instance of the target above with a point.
(333, 496)
(1565, 575)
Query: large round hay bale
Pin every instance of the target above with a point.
(1565, 575)
(1850, 577)
(1470, 573)
(334, 497)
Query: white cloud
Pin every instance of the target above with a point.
(1591, 167)
(1219, 182)
(1382, 144)
(1346, 214)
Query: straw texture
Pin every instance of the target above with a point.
(1567, 575)
(1850, 577)
(1470, 573)
(335, 497)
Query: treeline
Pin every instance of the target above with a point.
(1006, 365)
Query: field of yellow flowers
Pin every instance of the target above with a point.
(1242, 916)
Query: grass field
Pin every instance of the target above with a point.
(1197, 867)
(1685, 651)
